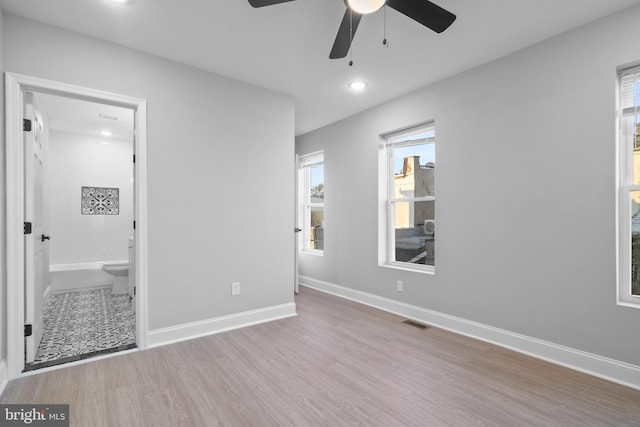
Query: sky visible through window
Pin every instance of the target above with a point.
(317, 175)
(427, 152)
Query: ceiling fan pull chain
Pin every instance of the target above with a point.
(350, 38)
(384, 30)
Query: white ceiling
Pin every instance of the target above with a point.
(286, 47)
(86, 118)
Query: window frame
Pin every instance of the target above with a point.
(305, 205)
(625, 185)
(386, 185)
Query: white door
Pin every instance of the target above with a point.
(36, 268)
(297, 229)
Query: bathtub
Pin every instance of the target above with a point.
(79, 276)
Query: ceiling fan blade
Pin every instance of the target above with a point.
(261, 3)
(423, 11)
(345, 35)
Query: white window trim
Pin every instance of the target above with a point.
(386, 228)
(305, 206)
(624, 180)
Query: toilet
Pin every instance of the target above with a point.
(120, 273)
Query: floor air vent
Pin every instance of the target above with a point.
(415, 324)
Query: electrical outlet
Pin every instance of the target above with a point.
(399, 285)
(235, 288)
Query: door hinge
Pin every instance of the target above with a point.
(27, 228)
(134, 158)
(26, 125)
(134, 225)
(134, 291)
(28, 330)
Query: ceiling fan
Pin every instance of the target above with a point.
(423, 11)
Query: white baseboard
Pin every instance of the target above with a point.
(216, 325)
(609, 369)
(4, 378)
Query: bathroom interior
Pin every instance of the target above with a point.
(88, 289)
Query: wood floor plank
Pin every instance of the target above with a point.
(338, 363)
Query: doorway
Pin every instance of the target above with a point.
(79, 191)
(30, 285)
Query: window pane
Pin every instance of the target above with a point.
(413, 168)
(316, 183)
(635, 242)
(311, 207)
(316, 229)
(633, 123)
(630, 89)
(629, 151)
(411, 191)
(415, 232)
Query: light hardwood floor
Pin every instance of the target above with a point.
(337, 363)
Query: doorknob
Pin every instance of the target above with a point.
(297, 230)
(43, 237)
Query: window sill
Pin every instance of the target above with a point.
(313, 252)
(425, 269)
(633, 302)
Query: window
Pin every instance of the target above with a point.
(408, 165)
(629, 186)
(311, 205)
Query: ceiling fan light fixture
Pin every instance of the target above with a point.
(357, 85)
(364, 7)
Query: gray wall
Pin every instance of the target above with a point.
(526, 197)
(3, 236)
(216, 149)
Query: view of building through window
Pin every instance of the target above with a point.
(316, 205)
(630, 180)
(311, 202)
(412, 196)
(634, 122)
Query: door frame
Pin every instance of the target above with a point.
(15, 86)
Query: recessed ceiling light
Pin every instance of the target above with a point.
(105, 133)
(120, 1)
(357, 85)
